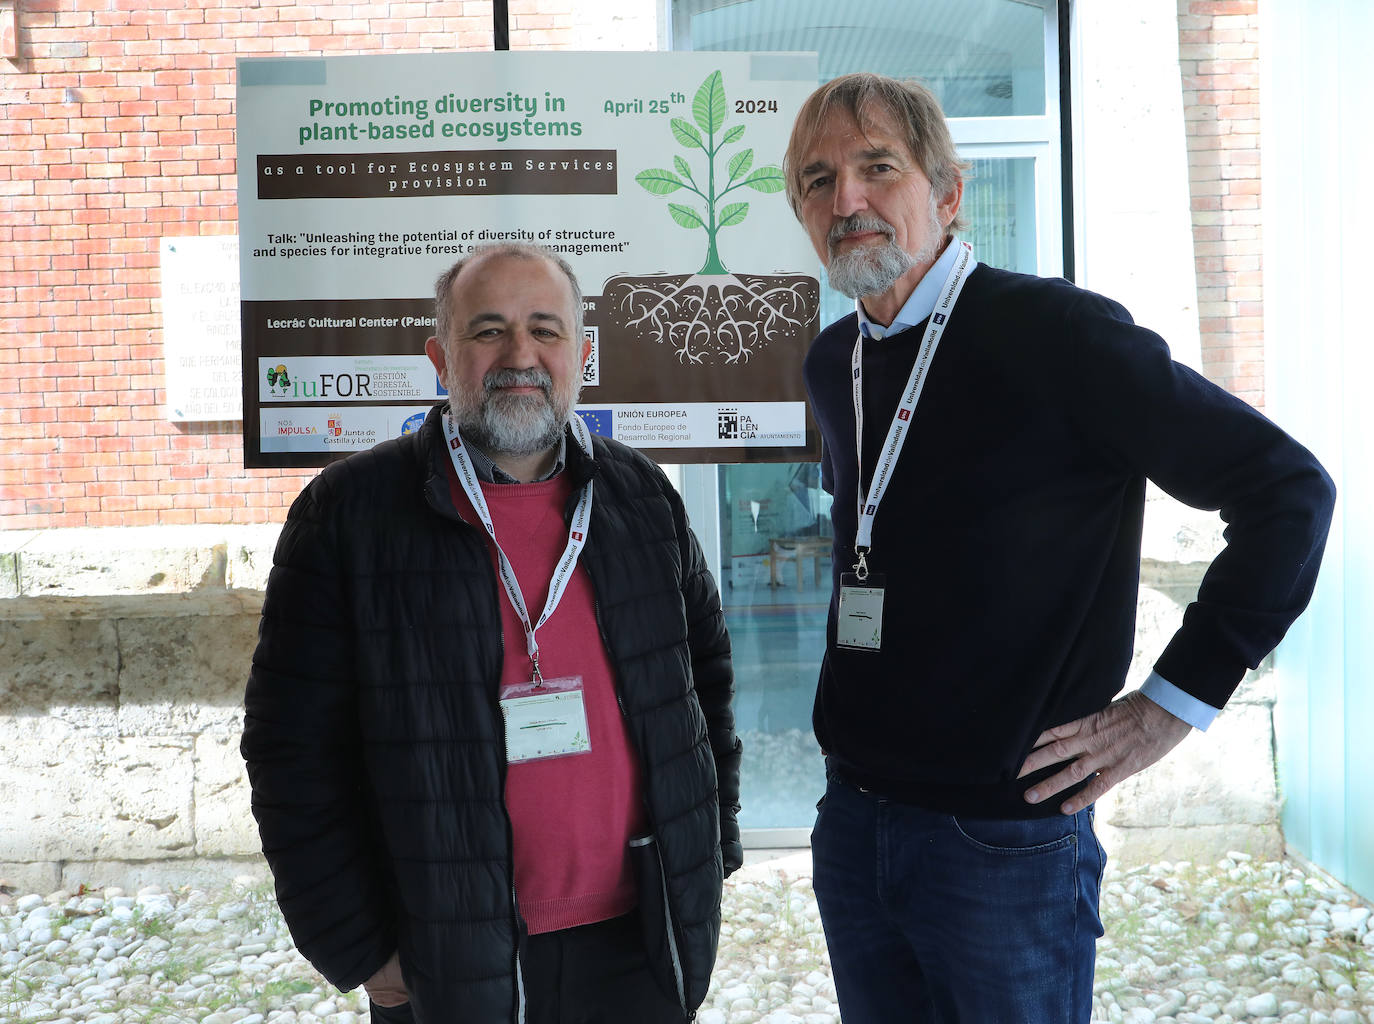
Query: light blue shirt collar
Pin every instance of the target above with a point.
(920, 304)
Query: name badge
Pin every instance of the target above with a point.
(545, 720)
(859, 624)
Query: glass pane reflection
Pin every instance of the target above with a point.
(983, 58)
(999, 206)
(775, 583)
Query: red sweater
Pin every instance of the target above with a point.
(572, 817)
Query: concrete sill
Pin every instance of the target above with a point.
(134, 571)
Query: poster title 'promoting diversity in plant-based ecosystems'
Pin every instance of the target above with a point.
(656, 175)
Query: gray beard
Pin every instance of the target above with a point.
(512, 424)
(872, 270)
(868, 270)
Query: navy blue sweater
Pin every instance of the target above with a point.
(1010, 535)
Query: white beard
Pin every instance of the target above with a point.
(873, 269)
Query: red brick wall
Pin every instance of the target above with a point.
(118, 129)
(1219, 56)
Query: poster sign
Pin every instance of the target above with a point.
(200, 328)
(657, 176)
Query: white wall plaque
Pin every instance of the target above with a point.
(200, 328)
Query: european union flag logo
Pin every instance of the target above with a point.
(598, 421)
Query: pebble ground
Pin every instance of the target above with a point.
(1237, 941)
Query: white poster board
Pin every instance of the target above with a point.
(656, 175)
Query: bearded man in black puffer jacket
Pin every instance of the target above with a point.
(484, 813)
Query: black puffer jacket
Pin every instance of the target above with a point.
(374, 740)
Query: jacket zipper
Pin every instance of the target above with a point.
(510, 857)
(516, 973)
(653, 826)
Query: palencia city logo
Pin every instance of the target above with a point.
(733, 425)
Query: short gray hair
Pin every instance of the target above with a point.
(443, 287)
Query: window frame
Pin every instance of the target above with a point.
(1044, 138)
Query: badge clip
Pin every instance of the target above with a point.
(861, 566)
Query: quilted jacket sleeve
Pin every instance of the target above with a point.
(714, 679)
(302, 748)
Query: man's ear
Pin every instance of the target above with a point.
(586, 349)
(435, 351)
(949, 205)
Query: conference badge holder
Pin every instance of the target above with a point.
(545, 718)
(859, 624)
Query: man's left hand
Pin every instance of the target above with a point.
(1125, 737)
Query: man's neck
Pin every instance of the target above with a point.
(525, 468)
(504, 468)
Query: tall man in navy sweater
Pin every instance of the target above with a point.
(987, 438)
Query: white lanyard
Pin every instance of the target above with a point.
(577, 534)
(896, 434)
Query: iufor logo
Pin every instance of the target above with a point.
(278, 380)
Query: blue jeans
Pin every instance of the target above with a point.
(941, 920)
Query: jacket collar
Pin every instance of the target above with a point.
(435, 463)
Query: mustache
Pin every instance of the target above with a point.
(508, 378)
(857, 222)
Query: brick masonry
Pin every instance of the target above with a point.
(118, 129)
(1218, 44)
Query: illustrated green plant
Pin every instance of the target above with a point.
(709, 109)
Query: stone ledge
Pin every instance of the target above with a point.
(70, 875)
(136, 571)
(1201, 844)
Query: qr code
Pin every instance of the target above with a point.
(591, 369)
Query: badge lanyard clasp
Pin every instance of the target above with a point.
(861, 566)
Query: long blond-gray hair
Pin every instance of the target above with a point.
(866, 99)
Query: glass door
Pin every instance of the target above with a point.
(766, 527)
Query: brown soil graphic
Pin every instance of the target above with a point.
(717, 318)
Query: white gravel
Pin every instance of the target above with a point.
(1261, 943)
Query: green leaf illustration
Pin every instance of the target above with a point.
(659, 181)
(733, 214)
(708, 106)
(686, 216)
(741, 162)
(706, 131)
(766, 179)
(686, 134)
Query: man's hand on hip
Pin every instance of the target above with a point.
(1125, 737)
(386, 987)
